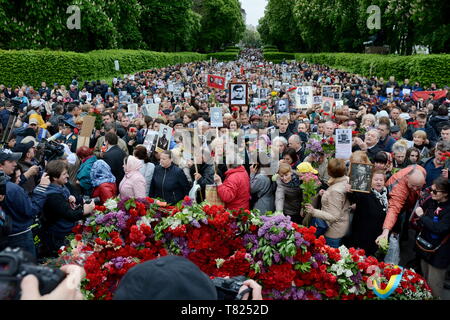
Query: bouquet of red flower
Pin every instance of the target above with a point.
(98, 118)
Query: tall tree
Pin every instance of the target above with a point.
(222, 23)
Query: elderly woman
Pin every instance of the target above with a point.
(434, 218)
(87, 158)
(420, 142)
(103, 181)
(288, 197)
(369, 214)
(335, 205)
(133, 185)
(368, 122)
(399, 154)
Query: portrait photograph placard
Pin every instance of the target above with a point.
(216, 117)
(238, 93)
(361, 177)
(327, 104)
(304, 97)
(164, 136)
(282, 107)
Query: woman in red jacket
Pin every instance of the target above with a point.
(235, 189)
(103, 181)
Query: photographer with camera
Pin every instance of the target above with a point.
(61, 210)
(28, 165)
(20, 208)
(177, 278)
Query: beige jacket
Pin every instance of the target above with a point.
(335, 208)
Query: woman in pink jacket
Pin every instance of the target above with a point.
(133, 184)
(235, 190)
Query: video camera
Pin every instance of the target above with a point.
(15, 264)
(228, 288)
(52, 150)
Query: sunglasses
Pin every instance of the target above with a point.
(435, 192)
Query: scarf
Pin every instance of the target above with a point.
(101, 173)
(382, 197)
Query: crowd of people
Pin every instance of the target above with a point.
(51, 181)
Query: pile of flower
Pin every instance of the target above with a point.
(285, 258)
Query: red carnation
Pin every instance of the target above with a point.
(78, 237)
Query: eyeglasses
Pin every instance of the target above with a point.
(434, 191)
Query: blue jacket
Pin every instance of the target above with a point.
(84, 174)
(22, 208)
(169, 184)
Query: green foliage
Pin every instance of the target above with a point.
(251, 38)
(277, 57)
(31, 67)
(175, 25)
(222, 24)
(423, 68)
(223, 56)
(341, 25)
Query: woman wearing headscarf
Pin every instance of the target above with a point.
(87, 158)
(103, 181)
(133, 184)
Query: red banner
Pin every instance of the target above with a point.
(425, 94)
(216, 82)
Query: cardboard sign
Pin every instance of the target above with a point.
(84, 137)
(133, 108)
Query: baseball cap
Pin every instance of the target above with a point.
(166, 278)
(30, 138)
(395, 129)
(33, 121)
(9, 155)
(23, 148)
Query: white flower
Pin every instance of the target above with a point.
(110, 204)
(219, 262)
(348, 273)
(352, 289)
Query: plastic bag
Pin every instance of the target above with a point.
(393, 253)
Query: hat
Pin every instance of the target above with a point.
(395, 129)
(33, 121)
(166, 278)
(382, 113)
(35, 104)
(28, 139)
(23, 147)
(10, 156)
(306, 167)
(167, 112)
(70, 123)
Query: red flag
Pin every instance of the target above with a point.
(216, 82)
(424, 94)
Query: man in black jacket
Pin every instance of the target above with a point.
(114, 156)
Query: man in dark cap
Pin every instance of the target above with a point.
(71, 138)
(396, 133)
(28, 165)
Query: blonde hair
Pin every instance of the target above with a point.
(400, 146)
(284, 168)
(420, 134)
(369, 116)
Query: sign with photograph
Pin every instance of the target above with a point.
(343, 143)
(327, 104)
(361, 177)
(331, 92)
(133, 108)
(164, 136)
(317, 100)
(238, 93)
(151, 110)
(150, 140)
(282, 107)
(217, 82)
(304, 97)
(216, 117)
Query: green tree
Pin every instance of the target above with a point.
(168, 25)
(222, 24)
(251, 38)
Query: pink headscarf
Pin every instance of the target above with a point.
(133, 165)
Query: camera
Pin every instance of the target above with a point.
(228, 288)
(52, 150)
(88, 200)
(15, 264)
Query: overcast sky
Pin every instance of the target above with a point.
(254, 10)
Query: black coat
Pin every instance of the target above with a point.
(367, 223)
(114, 158)
(169, 184)
(435, 232)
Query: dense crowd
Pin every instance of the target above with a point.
(49, 181)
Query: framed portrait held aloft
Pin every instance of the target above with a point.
(238, 93)
(361, 177)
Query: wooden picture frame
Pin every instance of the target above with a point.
(233, 97)
(361, 177)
